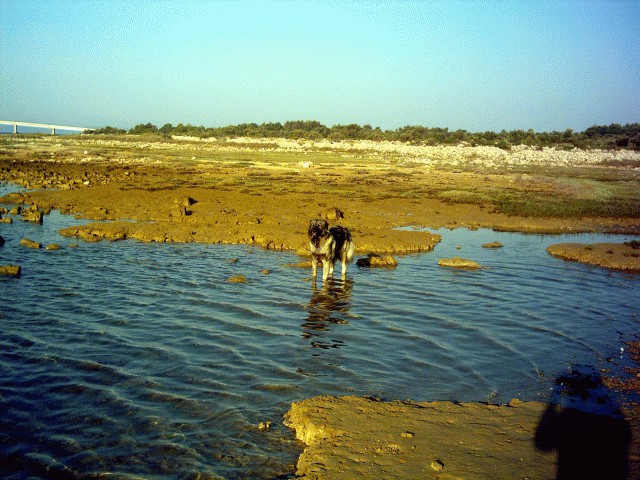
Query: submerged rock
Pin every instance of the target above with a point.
(457, 262)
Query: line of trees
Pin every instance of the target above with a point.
(614, 136)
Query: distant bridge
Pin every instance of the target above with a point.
(52, 128)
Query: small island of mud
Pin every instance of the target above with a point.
(616, 256)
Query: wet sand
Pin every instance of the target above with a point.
(257, 193)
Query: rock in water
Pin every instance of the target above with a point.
(237, 279)
(10, 270)
(374, 260)
(34, 216)
(457, 262)
(30, 243)
(493, 245)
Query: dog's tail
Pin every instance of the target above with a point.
(351, 250)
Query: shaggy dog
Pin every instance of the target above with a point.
(328, 245)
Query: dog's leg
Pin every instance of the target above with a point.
(344, 268)
(326, 266)
(331, 267)
(314, 266)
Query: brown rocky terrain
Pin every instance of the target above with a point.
(258, 193)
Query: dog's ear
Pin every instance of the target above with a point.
(319, 223)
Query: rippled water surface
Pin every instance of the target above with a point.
(143, 360)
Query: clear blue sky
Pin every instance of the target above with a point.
(475, 65)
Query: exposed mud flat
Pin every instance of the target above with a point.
(264, 194)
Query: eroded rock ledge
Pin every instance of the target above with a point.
(397, 242)
(354, 437)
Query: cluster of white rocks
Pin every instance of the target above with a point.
(454, 155)
(382, 151)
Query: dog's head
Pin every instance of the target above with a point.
(318, 230)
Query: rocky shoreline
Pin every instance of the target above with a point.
(455, 155)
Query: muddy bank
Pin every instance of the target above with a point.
(352, 437)
(617, 256)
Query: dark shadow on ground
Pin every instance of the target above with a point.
(584, 424)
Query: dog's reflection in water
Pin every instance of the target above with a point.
(329, 306)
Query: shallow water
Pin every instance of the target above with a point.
(142, 360)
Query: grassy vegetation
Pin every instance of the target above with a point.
(534, 205)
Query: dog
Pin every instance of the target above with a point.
(328, 245)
